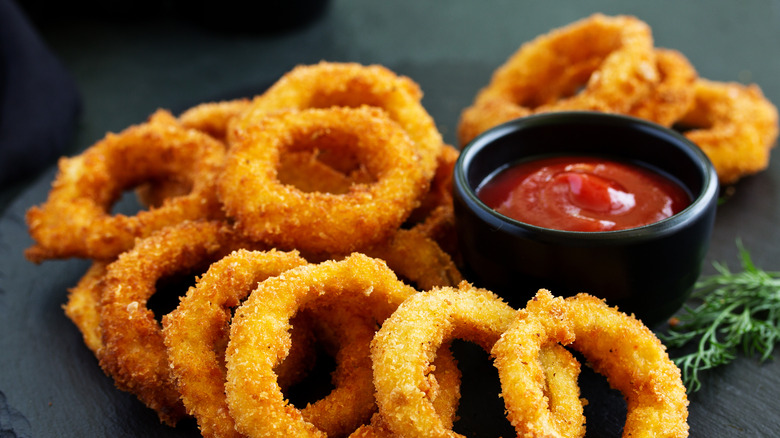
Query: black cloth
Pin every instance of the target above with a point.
(39, 100)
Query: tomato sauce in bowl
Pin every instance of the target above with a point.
(658, 188)
(580, 193)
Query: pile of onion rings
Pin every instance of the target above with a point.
(357, 139)
(317, 215)
(267, 210)
(734, 124)
(336, 141)
(609, 64)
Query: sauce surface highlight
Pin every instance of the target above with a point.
(582, 194)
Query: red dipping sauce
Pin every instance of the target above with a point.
(583, 194)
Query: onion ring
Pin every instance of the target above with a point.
(83, 308)
(330, 84)
(616, 345)
(612, 57)
(196, 335)
(404, 346)
(75, 220)
(133, 352)
(734, 124)
(286, 217)
(259, 338)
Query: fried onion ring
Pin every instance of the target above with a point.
(259, 338)
(407, 342)
(611, 57)
(734, 124)
(267, 210)
(195, 333)
(83, 308)
(133, 351)
(616, 345)
(75, 220)
(329, 84)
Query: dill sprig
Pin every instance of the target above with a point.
(738, 311)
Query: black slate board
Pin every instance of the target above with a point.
(50, 384)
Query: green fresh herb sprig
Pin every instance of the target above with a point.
(738, 310)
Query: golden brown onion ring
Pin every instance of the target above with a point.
(259, 335)
(610, 58)
(734, 124)
(283, 216)
(196, 332)
(407, 342)
(83, 308)
(76, 221)
(616, 345)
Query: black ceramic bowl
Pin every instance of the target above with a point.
(649, 270)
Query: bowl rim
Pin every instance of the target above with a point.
(698, 206)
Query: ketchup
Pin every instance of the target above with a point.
(582, 194)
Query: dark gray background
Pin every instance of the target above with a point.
(50, 384)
